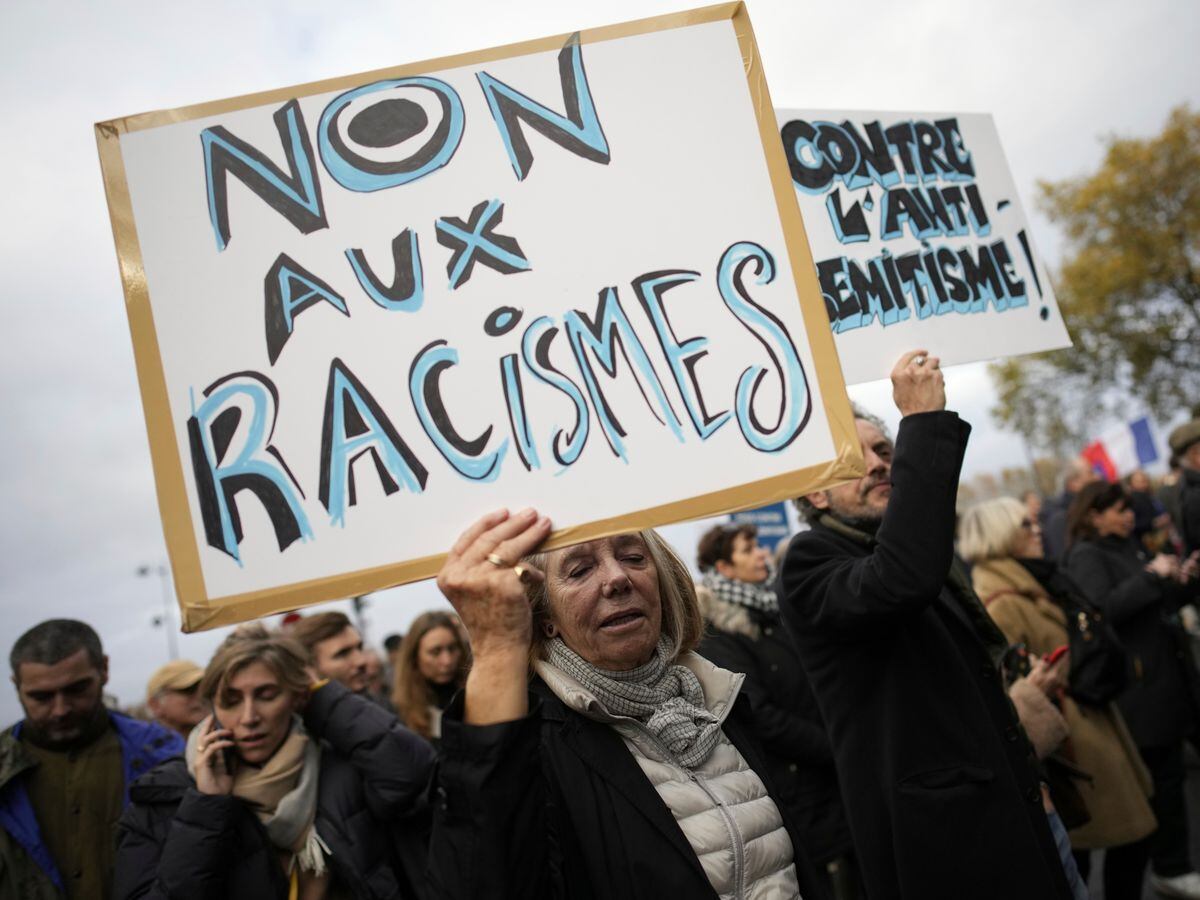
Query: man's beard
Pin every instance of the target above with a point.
(868, 523)
(81, 730)
(859, 516)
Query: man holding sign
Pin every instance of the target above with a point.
(940, 785)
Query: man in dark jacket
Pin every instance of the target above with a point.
(939, 781)
(745, 634)
(65, 769)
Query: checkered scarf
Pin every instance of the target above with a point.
(743, 593)
(665, 698)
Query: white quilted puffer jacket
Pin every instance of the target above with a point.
(721, 806)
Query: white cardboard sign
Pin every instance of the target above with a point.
(919, 238)
(367, 311)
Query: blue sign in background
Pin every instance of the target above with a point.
(772, 523)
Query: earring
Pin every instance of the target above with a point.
(549, 629)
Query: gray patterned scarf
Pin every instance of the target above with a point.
(666, 699)
(743, 593)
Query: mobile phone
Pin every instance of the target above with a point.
(1056, 654)
(226, 755)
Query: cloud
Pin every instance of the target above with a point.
(75, 478)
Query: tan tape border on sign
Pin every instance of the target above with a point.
(197, 610)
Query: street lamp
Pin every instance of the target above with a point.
(165, 619)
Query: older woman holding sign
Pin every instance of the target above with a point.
(625, 766)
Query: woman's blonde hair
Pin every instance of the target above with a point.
(989, 530)
(682, 621)
(251, 643)
(411, 693)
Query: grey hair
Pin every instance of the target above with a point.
(53, 641)
(810, 513)
(682, 621)
(989, 530)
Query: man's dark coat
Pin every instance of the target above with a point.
(938, 779)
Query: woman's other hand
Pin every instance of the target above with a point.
(1050, 678)
(1164, 566)
(1043, 723)
(481, 580)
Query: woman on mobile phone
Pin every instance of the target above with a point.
(289, 789)
(1029, 597)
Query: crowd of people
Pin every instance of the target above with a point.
(905, 702)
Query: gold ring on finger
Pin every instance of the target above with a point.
(498, 561)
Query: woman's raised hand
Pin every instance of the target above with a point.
(918, 384)
(481, 580)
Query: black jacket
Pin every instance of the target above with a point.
(1054, 525)
(939, 782)
(1158, 704)
(176, 842)
(555, 806)
(787, 722)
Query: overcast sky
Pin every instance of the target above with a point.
(74, 464)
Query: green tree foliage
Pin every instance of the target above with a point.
(1129, 289)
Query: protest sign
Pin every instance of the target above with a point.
(919, 238)
(567, 274)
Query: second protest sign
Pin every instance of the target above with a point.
(919, 238)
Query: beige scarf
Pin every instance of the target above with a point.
(283, 794)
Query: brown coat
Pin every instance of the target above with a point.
(1100, 742)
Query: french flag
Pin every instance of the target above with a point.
(1121, 450)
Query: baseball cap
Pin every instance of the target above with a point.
(177, 675)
